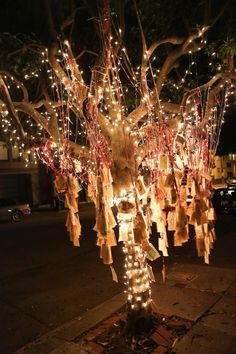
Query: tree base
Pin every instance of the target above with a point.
(113, 335)
(139, 322)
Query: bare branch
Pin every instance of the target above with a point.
(218, 16)
(105, 127)
(145, 58)
(171, 107)
(208, 84)
(155, 45)
(29, 109)
(169, 63)
(52, 124)
(138, 113)
(10, 106)
(186, 47)
(85, 51)
(18, 83)
(214, 88)
(76, 72)
(63, 77)
(35, 48)
(50, 22)
(103, 64)
(79, 150)
(52, 53)
(69, 20)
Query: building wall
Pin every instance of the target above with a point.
(225, 166)
(32, 184)
(17, 181)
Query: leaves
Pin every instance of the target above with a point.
(20, 54)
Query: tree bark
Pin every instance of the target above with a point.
(137, 278)
(139, 314)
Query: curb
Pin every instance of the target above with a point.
(209, 306)
(69, 331)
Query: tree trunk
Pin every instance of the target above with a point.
(139, 317)
(133, 233)
(137, 277)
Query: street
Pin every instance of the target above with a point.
(45, 281)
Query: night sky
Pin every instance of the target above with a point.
(228, 134)
(22, 16)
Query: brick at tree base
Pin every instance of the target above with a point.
(93, 348)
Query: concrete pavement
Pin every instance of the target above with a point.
(203, 294)
(207, 296)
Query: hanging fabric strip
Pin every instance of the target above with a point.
(151, 275)
(113, 273)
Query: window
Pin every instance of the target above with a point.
(228, 164)
(3, 151)
(15, 153)
(232, 156)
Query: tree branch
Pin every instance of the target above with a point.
(50, 22)
(10, 106)
(69, 20)
(155, 45)
(60, 73)
(138, 113)
(19, 84)
(52, 124)
(105, 127)
(35, 48)
(169, 64)
(103, 64)
(218, 16)
(79, 150)
(29, 109)
(186, 47)
(223, 77)
(200, 88)
(85, 51)
(77, 74)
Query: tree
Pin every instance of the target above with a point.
(142, 135)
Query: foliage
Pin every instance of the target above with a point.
(20, 53)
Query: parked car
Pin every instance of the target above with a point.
(224, 199)
(231, 181)
(10, 210)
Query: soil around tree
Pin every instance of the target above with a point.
(110, 335)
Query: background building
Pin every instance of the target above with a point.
(22, 179)
(26, 180)
(225, 166)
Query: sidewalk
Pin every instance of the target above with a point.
(203, 294)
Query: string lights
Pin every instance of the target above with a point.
(147, 161)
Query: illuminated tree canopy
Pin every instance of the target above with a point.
(132, 116)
